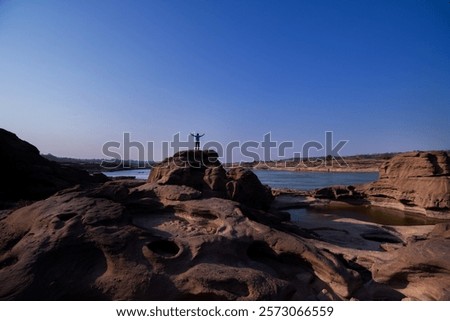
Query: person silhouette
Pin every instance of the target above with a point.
(197, 140)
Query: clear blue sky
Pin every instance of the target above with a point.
(75, 74)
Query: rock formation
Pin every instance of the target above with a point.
(202, 170)
(201, 233)
(182, 235)
(346, 194)
(421, 268)
(416, 181)
(126, 242)
(26, 175)
(185, 168)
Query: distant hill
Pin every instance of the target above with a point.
(354, 163)
(98, 165)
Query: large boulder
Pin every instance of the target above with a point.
(26, 175)
(416, 181)
(203, 171)
(184, 168)
(216, 179)
(244, 187)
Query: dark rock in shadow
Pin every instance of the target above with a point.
(68, 273)
(164, 248)
(26, 175)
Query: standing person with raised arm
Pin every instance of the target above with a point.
(197, 140)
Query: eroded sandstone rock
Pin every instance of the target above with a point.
(340, 193)
(417, 181)
(202, 171)
(421, 269)
(84, 244)
(198, 232)
(245, 187)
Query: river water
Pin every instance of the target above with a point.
(284, 179)
(312, 180)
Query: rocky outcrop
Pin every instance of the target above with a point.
(193, 231)
(417, 181)
(346, 194)
(185, 168)
(26, 175)
(203, 171)
(421, 268)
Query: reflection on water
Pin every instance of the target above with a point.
(367, 214)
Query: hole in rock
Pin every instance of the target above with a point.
(262, 252)
(381, 237)
(7, 262)
(66, 216)
(205, 215)
(407, 202)
(164, 248)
